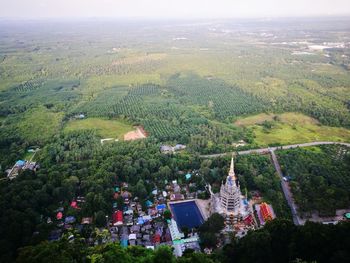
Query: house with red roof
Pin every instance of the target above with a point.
(117, 218)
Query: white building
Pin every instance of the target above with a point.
(230, 193)
(230, 202)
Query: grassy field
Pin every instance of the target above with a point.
(105, 128)
(290, 128)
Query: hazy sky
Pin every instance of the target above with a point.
(171, 8)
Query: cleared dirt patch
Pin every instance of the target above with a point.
(139, 133)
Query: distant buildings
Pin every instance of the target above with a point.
(168, 149)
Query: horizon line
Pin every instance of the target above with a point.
(161, 18)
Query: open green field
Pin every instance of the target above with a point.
(291, 128)
(104, 128)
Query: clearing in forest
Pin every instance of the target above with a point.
(291, 128)
(139, 133)
(105, 128)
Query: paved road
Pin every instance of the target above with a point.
(286, 190)
(266, 150)
(271, 150)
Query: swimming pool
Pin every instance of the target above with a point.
(187, 214)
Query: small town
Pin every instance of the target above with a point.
(171, 218)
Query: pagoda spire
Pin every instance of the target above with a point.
(232, 169)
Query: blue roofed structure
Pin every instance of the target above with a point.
(20, 163)
(161, 207)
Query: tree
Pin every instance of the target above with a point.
(100, 219)
(208, 239)
(163, 254)
(167, 215)
(215, 223)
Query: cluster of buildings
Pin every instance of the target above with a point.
(21, 165)
(134, 227)
(168, 149)
(150, 227)
(160, 220)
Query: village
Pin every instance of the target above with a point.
(171, 218)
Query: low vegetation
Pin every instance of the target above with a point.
(290, 128)
(103, 127)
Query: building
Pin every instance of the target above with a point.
(117, 218)
(232, 205)
(264, 212)
(230, 193)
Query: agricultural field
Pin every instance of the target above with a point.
(290, 128)
(183, 84)
(103, 127)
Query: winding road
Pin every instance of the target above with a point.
(285, 188)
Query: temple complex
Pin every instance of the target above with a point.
(231, 204)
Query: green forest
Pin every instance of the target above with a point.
(319, 177)
(310, 243)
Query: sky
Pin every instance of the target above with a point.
(171, 8)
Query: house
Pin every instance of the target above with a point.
(135, 229)
(20, 163)
(129, 220)
(59, 215)
(74, 205)
(152, 212)
(117, 218)
(177, 188)
(149, 203)
(132, 237)
(179, 147)
(146, 218)
(146, 238)
(126, 194)
(177, 197)
(161, 207)
(69, 220)
(156, 239)
(129, 212)
(166, 149)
